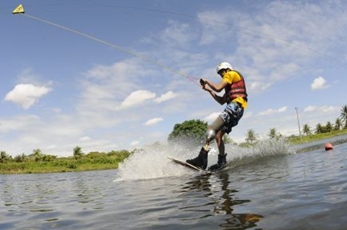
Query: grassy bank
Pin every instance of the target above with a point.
(32, 164)
(56, 166)
(316, 137)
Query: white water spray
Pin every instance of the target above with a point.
(152, 162)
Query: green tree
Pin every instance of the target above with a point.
(251, 136)
(344, 116)
(4, 157)
(306, 129)
(77, 152)
(273, 133)
(338, 124)
(328, 127)
(37, 155)
(95, 154)
(21, 158)
(47, 157)
(190, 132)
(319, 128)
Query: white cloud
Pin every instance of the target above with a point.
(259, 86)
(321, 108)
(328, 108)
(318, 83)
(167, 96)
(273, 111)
(310, 108)
(267, 112)
(26, 95)
(134, 143)
(85, 138)
(282, 109)
(136, 98)
(153, 121)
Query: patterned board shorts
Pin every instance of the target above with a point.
(231, 116)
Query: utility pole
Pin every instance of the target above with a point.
(297, 117)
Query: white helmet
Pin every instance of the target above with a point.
(224, 65)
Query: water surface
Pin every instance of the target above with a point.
(267, 187)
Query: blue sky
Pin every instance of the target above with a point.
(60, 89)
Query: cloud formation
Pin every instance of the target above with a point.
(136, 98)
(167, 96)
(318, 83)
(324, 108)
(272, 111)
(153, 121)
(26, 95)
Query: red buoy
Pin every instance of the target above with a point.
(328, 146)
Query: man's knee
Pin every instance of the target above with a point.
(210, 134)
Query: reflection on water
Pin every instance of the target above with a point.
(221, 200)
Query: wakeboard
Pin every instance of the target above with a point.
(190, 166)
(183, 163)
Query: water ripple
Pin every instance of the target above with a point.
(286, 191)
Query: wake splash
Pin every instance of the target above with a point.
(151, 162)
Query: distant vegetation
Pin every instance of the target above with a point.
(190, 132)
(38, 162)
(321, 131)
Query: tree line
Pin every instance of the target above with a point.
(340, 124)
(38, 162)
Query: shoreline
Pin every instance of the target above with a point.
(75, 166)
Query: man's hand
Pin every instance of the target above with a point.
(202, 82)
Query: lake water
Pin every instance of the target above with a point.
(267, 187)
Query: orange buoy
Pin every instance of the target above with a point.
(328, 146)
